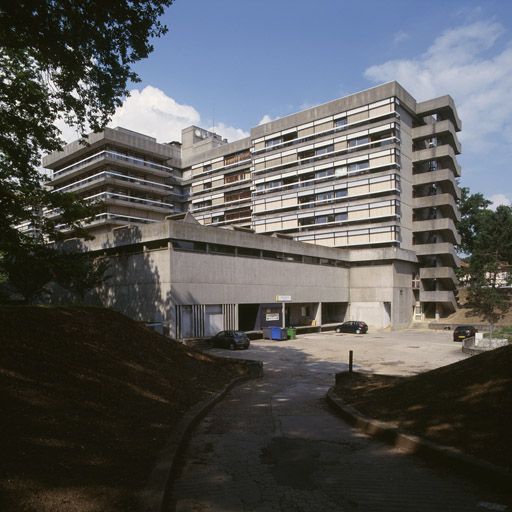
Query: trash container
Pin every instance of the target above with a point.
(267, 333)
(292, 333)
(278, 333)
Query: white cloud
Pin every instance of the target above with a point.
(472, 63)
(498, 200)
(151, 112)
(457, 63)
(400, 37)
(266, 119)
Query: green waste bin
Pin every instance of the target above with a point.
(292, 333)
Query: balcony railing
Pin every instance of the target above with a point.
(110, 174)
(107, 154)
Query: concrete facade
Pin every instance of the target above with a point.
(372, 175)
(191, 280)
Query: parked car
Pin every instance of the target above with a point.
(231, 340)
(461, 332)
(355, 326)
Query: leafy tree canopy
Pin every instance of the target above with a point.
(487, 239)
(68, 60)
(474, 210)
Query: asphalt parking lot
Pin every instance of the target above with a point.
(273, 444)
(401, 352)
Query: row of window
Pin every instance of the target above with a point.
(229, 250)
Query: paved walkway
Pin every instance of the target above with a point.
(274, 445)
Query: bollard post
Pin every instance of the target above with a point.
(350, 360)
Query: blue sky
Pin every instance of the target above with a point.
(232, 63)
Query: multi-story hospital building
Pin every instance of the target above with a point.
(371, 178)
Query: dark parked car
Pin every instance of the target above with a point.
(462, 332)
(353, 326)
(231, 340)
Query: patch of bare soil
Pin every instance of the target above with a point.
(467, 405)
(88, 399)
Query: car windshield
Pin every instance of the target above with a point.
(239, 335)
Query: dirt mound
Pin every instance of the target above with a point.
(89, 397)
(466, 404)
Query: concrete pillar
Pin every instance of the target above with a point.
(318, 316)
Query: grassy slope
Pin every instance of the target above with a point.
(88, 399)
(467, 404)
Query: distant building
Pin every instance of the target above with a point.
(372, 173)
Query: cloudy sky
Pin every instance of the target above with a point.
(231, 64)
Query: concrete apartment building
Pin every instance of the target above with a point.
(132, 177)
(374, 174)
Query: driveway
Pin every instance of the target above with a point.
(273, 444)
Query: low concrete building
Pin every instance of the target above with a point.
(194, 280)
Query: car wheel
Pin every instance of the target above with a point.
(338, 330)
(231, 346)
(358, 331)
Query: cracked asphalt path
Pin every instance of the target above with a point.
(273, 445)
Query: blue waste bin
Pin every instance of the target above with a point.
(279, 334)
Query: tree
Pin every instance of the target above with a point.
(474, 210)
(79, 272)
(32, 268)
(488, 272)
(67, 60)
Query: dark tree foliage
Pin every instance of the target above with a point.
(61, 59)
(474, 210)
(33, 267)
(489, 263)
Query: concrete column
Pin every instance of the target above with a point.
(318, 316)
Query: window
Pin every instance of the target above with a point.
(237, 157)
(240, 213)
(289, 136)
(306, 154)
(359, 141)
(202, 204)
(310, 259)
(324, 150)
(221, 249)
(273, 142)
(207, 168)
(341, 123)
(325, 196)
(247, 251)
(207, 186)
(186, 245)
(293, 257)
(358, 166)
(324, 173)
(237, 196)
(341, 193)
(239, 176)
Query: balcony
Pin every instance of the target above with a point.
(443, 107)
(437, 153)
(446, 275)
(113, 178)
(446, 298)
(103, 158)
(445, 249)
(444, 177)
(445, 202)
(137, 203)
(444, 226)
(444, 129)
